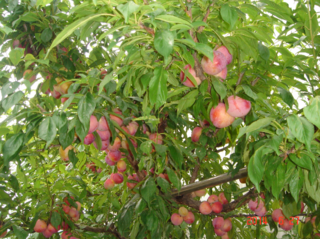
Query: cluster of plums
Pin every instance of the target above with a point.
(222, 226)
(48, 229)
(213, 204)
(183, 215)
(258, 207)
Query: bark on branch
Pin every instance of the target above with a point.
(110, 230)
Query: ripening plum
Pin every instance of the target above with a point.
(40, 226)
(109, 161)
(145, 129)
(205, 208)
(262, 212)
(108, 184)
(89, 139)
(155, 137)
(164, 176)
(115, 156)
(226, 54)
(176, 219)
(103, 124)
(47, 233)
(317, 235)
(15, 43)
(225, 236)
(219, 232)
(131, 185)
(189, 219)
(238, 107)
(219, 116)
(227, 225)
(115, 118)
(276, 214)
(55, 94)
(28, 75)
(222, 199)
(196, 133)
(216, 66)
(286, 225)
(212, 198)
(104, 145)
(64, 99)
(93, 124)
(65, 208)
(63, 88)
(223, 74)
(253, 204)
(217, 222)
(133, 127)
(243, 180)
(302, 207)
(121, 166)
(104, 135)
(66, 235)
(73, 212)
(125, 129)
(64, 153)
(183, 211)
(188, 82)
(52, 229)
(116, 145)
(200, 192)
(216, 207)
(117, 178)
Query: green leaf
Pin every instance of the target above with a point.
(47, 130)
(174, 178)
(173, 19)
(163, 42)
(187, 101)
(67, 31)
(278, 180)
(256, 167)
(14, 183)
(43, 2)
(286, 96)
(302, 129)
(304, 161)
(46, 35)
(176, 155)
(86, 107)
(247, 89)
(146, 147)
(296, 183)
(15, 55)
(205, 50)
(12, 100)
(73, 158)
(219, 88)
(229, 14)
(19, 232)
(263, 51)
(259, 124)
(105, 81)
(312, 189)
(148, 189)
(12, 147)
(127, 9)
(164, 185)
(158, 87)
(312, 111)
(30, 17)
(55, 218)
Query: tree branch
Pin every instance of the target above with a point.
(205, 18)
(30, 40)
(198, 68)
(148, 29)
(195, 172)
(255, 81)
(110, 230)
(240, 78)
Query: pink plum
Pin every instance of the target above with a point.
(176, 219)
(89, 139)
(216, 207)
(223, 74)
(222, 199)
(108, 184)
(226, 53)
(219, 232)
(93, 124)
(200, 192)
(133, 127)
(103, 124)
(40, 226)
(131, 185)
(227, 225)
(52, 229)
(115, 156)
(261, 212)
(205, 208)
(276, 214)
(117, 178)
(116, 145)
(155, 137)
(216, 66)
(109, 161)
(196, 133)
(65, 208)
(115, 118)
(104, 145)
(104, 135)
(189, 219)
(212, 198)
(287, 225)
(188, 82)
(121, 166)
(218, 222)
(219, 116)
(66, 235)
(238, 107)
(47, 233)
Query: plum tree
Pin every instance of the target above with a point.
(136, 119)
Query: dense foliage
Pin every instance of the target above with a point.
(87, 83)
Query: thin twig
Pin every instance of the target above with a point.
(30, 41)
(255, 81)
(195, 173)
(101, 230)
(148, 29)
(240, 78)
(41, 109)
(205, 18)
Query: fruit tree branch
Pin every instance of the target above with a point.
(101, 230)
(30, 41)
(197, 67)
(205, 18)
(195, 172)
(211, 182)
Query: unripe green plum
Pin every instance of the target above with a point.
(219, 116)
(216, 66)
(188, 82)
(205, 208)
(196, 133)
(189, 219)
(238, 107)
(176, 219)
